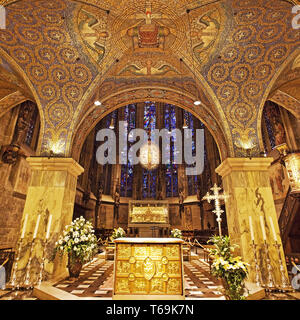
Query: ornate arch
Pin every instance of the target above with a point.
(286, 101)
(141, 94)
(14, 66)
(268, 91)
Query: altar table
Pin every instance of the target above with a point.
(148, 268)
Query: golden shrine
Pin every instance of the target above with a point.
(148, 218)
(148, 268)
(149, 214)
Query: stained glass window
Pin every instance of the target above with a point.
(127, 170)
(149, 176)
(192, 179)
(271, 116)
(171, 169)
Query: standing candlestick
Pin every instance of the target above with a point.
(42, 265)
(27, 283)
(270, 280)
(13, 281)
(284, 282)
(257, 269)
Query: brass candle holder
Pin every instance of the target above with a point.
(27, 283)
(42, 265)
(284, 285)
(258, 280)
(13, 282)
(270, 282)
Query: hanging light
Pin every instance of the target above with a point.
(97, 103)
(112, 126)
(197, 102)
(149, 155)
(185, 126)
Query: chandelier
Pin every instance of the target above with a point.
(149, 155)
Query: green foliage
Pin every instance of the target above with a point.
(176, 233)
(231, 269)
(118, 233)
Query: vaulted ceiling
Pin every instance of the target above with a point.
(231, 54)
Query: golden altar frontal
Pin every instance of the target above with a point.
(148, 268)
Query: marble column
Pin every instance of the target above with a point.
(248, 186)
(51, 191)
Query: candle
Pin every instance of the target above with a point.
(48, 226)
(273, 229)
(263, 227)
(251, 229)
(36, 226)
(24, 226)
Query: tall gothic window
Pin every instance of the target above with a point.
(127, 170)
(149, 176)
(192, 179)
(171, 169)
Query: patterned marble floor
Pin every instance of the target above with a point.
(96, 280)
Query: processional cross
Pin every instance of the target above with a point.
(216, 196)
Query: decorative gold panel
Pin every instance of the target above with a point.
(148, 269)
(149, 215)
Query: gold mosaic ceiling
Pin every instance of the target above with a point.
(70, 52)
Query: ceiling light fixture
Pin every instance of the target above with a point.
(97, 103)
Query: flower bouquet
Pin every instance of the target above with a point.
(118, 233)
(176, 233)
(79, 241)
(232, 270)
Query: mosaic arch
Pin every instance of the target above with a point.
(286, 101)
(17, 97)
(142, 95)
(280, 98)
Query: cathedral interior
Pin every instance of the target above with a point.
(70, 68)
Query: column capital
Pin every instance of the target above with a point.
(243, 164)
(55, 164)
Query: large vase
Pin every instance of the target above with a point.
(74, 266)
(225, 289)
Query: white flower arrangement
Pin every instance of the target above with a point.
(176, 233)
(78, 240)
(118, 233)
(225, 266)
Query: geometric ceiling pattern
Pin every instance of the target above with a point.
(68, 52)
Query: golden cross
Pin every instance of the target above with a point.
(216, 196)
